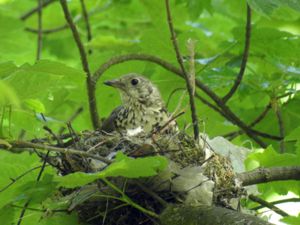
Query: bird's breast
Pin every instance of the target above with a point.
(141, 118)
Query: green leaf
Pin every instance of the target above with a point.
(293, 135)
(123, 166)
(196, 7)
(7, 95)
(291, 220)
(266, 7)
(35, 105)
(134, 168)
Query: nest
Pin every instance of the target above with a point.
(196, 175)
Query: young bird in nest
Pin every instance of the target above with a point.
(142, 109)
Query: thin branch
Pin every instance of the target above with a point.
(186, 75)
(44, 4)
(264, 175)
(239, 78)
(14, 180)
(48, 31)
(85, 65)
(215, 108)
(168, 66)
(40, 34)
(37, 180)
(268, 205)
(24, 144)
(265, 135)
(172, 93)
(71, 119)
(277, 202)
(87, 22)
(41, 210)
(277, 109)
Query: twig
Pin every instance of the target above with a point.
(37, 180)
(151, 193)
(48, 31)
(186, 75)
(168, 66)
(277, 202)
(268, 205)
(36, 9)
(14, 180)
(24, 144)
(71, 119)
(278, 113)
(160, 129)
(126, 199)
(87, 22)
(239, 78)
(85, 65)
(40, 34)
(264, 175)
(172, 93)
(41, 210)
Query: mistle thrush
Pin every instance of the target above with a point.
(142, 108)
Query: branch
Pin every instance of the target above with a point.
(278, 113)
(37, 180)
(268, 205)
(14, 180)
(186, 75)
(40, 34)
(48, 31)
(36, 9)
(277, 202)
(87, 22)
(25, 145)
(264, 175)
(168, 66)
(239, 78)
(90, 84)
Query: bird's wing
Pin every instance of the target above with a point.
(108, 125)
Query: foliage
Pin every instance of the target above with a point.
(48, 92)
(122, 166)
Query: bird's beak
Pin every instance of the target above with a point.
(114, 83)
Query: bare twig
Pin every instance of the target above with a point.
(71, 119)
(172, 93)
(87, 22)
(36, 9)
(264, 175)
(37, 179)
(48, 31)
(277, 202)
(268, 205)
(161, 129)
(42, 147)
(244, 59)
(14, 180)
(186, 75)
(277, 109)
(40, 34)
(85, 65)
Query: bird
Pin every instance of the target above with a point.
(142, 110)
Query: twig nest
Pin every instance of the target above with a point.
(196, 175)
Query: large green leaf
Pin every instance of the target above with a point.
(123, 166)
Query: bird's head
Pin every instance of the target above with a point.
(136, 89)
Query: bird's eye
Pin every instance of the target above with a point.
(134, 81)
